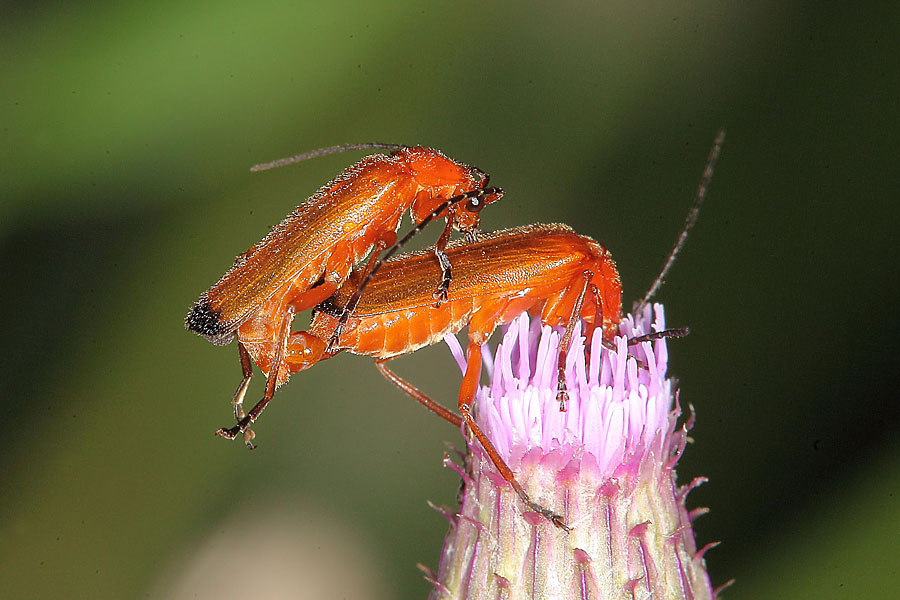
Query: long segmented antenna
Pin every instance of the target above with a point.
(324, 152)
(689, 221)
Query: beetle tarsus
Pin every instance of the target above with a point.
(249, 434)
(443, 292)
(242, 428)
(334, 339)
(228, 434)
(548, 514)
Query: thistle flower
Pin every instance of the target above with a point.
(606, 464)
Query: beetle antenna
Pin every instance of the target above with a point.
(688, 222)
(324, 152)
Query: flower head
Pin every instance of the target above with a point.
(606, 463)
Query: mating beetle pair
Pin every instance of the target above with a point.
(387, 308)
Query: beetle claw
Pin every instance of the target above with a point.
(228, 434)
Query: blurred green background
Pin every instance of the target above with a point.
(127, 133)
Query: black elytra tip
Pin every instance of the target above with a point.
(206, 321)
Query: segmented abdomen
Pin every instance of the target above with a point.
(397, 332)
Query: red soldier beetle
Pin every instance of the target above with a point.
(545, 269)
(540, 268)
(307, 256)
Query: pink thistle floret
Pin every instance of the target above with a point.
(606, 463)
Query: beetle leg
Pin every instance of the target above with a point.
(243, 425)
(600, 311)
(444, 288)
(591, 326)
(247, 367)
(562, 394)
(417, 395)
(338, 265)
(466, 396)
(486, 192)
(658, 335)
(385, 240)
(313, 296)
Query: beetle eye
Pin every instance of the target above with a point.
(474, 204)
